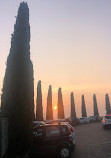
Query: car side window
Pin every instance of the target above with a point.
(64, 130)
(38, 132)
(52, 131)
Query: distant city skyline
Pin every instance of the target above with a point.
(70, 48)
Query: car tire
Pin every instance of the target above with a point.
(64, 152)
(104, 127)
(73, 149)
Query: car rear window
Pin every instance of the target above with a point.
(52, 131)
(108, 117)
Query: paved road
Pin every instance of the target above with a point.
(92, 141)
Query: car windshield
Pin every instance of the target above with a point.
(82, 118)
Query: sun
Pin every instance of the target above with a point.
(55, 107)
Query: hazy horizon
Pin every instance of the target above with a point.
(70, 48)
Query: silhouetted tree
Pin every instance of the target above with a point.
(60, 105)
(108, 108)
(17, 100)
(84, 114)
(49, 110)
(96, 113)
(73, 111)
(39, 107)
(0, 112)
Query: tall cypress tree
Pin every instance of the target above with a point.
(96, 113)
(17, 100)
(0, 112)
(84, 114)
(60, 105)
(107, 101)
(49, 110)
(39, 110)
(73, 111)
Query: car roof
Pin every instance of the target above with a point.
(48, 125)
(106, 115)
(56, 120)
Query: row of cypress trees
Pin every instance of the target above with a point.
(95, 107)
(49, 110)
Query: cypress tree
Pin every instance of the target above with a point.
(17, 100)
(96, 113)
(39, 110)
(108, 108)
(60, 105)
(73, 111)
(0, 112)
(84, 114)
(49, 110)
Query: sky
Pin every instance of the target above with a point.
(70, 48)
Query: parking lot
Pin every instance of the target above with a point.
(92, 141)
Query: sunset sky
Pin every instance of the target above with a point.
(70, 48)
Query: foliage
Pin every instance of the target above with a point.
(107, 101)
(73, 112)
(96, 113)
(49, 110)
(39, 110)
(84, 114)
(60, 105)
(17, 100)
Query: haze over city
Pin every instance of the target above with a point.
(70, 48)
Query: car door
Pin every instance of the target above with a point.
(38, 140)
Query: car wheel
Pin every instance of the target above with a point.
(104, 127)
(73, 149)
(64, 152)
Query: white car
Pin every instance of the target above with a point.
(92, 118)
(106, 121)
(84, 120)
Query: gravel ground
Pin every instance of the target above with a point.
(92, 141)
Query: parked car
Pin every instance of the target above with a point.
(92, 119)
(95, 118)
(38, 123)
(99, 118)
(106, 121)
(84, 120)
(52, 139)
(62, 122)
